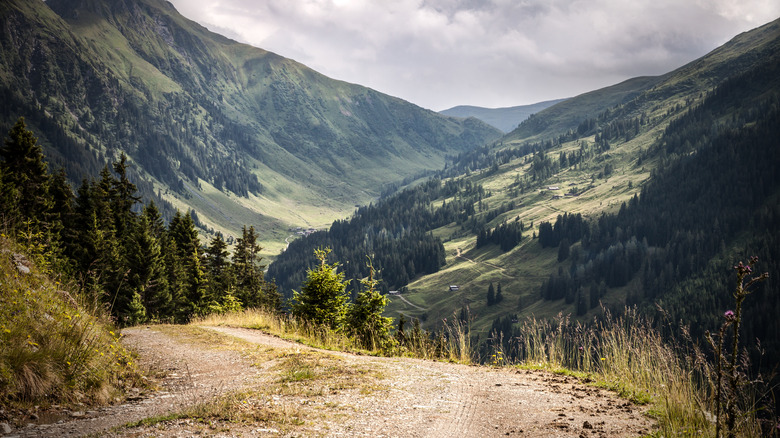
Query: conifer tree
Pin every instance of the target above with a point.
(220, 294)
(190, 280)
(491, 295)
(323, 297)
(23, 167)
(365, 321)
(499, 295)
(146, 267)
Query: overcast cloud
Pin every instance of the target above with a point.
(491, 53)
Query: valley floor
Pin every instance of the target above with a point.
(272, 387)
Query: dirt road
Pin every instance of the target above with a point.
(287, 389)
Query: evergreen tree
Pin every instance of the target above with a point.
(323, 297)
(499, 295)
(248, 272)
(365, 321)
(146, 265)
(123, 198)
(24, 169)
(563, 250)
(220, 294)
(185, 270)
(491, 295)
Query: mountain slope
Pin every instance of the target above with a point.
(242, 135)
(546, 217)
(505, 119)
(645, 93)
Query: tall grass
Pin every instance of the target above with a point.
(452, 343)
(627, 354)
(54, 349)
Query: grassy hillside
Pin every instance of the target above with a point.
(53, 349)
(610, 173)
(657, 94)
(240, 134)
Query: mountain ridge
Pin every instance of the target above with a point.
(240, 134)
(506, 119)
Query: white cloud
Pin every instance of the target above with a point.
(441, 53)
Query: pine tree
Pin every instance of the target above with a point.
(499, 296)
(185, 273)
(24, 168)
(248, 273)
(123, 198)
(146, 266)
(220, 293)
(364, 319)
(323, 297)
(491, 295)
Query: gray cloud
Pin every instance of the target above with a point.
(441, 53)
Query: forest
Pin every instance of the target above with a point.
(713, 196)
(120, 253)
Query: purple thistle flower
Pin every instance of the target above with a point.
(729, 315)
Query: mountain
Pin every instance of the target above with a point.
(645, 93)
(505, 119)
(241, 135)
(644, 193)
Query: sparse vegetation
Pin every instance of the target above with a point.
(54, 346)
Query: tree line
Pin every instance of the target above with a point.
(119, 251)
(715, 188)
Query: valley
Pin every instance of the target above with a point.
(165, 189)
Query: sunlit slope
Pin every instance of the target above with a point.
(238, 133)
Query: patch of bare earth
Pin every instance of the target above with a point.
(266, 386)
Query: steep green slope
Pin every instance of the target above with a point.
(240, 134)
(505, 119)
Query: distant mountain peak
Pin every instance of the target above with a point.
(505, 119)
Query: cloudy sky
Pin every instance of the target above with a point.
(491, 53)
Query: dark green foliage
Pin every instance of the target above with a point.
(491, 295)
(563, 249)
(394, 231)
(126, 260)
(506, 236)
(571, 227)
(251, 288)
(364, 318)
(24, 169)
(323, 299)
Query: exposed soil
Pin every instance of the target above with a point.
(341, 394)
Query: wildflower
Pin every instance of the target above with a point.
(729, 315)
(581, 349)
(603, 358)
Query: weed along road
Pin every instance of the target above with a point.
(226, 381)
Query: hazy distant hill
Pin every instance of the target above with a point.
(505, 119)
(242, 135)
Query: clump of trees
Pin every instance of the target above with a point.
(120, 252)
(324, 301)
